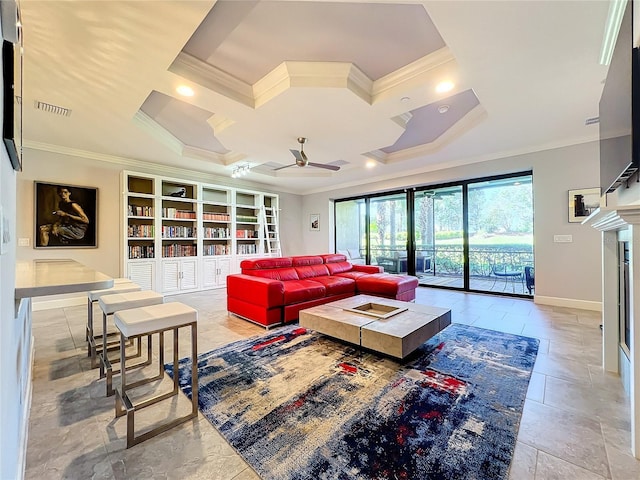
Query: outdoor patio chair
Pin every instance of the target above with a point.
(529, 279)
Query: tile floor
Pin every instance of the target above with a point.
(575, 422)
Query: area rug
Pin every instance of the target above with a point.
(299, 405)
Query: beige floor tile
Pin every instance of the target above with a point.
(572, 437)
(549, 467)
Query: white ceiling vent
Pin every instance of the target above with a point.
(55, 109)
(592, 121)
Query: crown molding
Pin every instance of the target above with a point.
(158, 132)
(218, 123)
(213, 78)
(177, 146)
(203, 154)
(403, 119)
(409, 73)
(271, 85)
(466, 123)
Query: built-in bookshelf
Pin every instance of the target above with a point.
(184, 235)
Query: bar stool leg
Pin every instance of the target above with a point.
(194, 370)
(123, 403)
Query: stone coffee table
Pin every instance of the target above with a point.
(361, 320)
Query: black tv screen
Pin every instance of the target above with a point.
(618, 105)
(12, 112)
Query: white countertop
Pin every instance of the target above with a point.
(37, 278)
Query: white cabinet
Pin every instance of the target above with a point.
(179, 275)
(215, 271)
(142, 272)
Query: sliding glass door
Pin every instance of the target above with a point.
(351, 229)
(500, 234)
(439, 240)
(388, 232)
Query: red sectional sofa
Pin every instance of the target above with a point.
(271, 291)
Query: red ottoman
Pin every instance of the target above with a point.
(398, 287)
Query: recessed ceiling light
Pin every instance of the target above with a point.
(370, 163)
(405, 99)
(185, 91)
(444, 86)
(443, 108)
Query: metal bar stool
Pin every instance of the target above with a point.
(120, 286)
(111, 304)
(158, 319)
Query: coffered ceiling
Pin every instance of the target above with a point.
(358, 79)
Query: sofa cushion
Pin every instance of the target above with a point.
(275, 273)
(334, 257)
(339, 267)
(386, 285)
(261, 263)
(296, 291)
(352, 274)
(305, 260)
(312, 271)
(337, 285)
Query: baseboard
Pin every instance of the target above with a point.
(568, 302)
(58, 303)
(24, 424)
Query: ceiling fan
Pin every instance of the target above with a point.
(303, 161)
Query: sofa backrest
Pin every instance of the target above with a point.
(287, 268)
(261, 263)
(304, 260)
(333, 258)
(275, 273)
(309, 266)
(279, 268)
(336, 263)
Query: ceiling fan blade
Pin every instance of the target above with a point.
(322, 165)
(286, 166)
(301, 157)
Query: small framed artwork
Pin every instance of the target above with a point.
(66, 216)
(583, 203)
(314, 222)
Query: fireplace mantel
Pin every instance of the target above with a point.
(621, 224)
(605, 219)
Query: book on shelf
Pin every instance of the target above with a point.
(139, 211)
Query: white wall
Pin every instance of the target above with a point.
(566, 273)
(12, 406)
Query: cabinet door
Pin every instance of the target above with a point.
(170, 276)
(209, 272)
(189, 274)
(224, 268)
(141, 273)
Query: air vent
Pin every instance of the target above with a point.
(55, 109)
(592, 121)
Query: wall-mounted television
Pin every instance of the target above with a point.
(620, 111)
(12, 101)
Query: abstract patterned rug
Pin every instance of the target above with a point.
(299, 405)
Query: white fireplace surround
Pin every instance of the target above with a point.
(621, 224)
